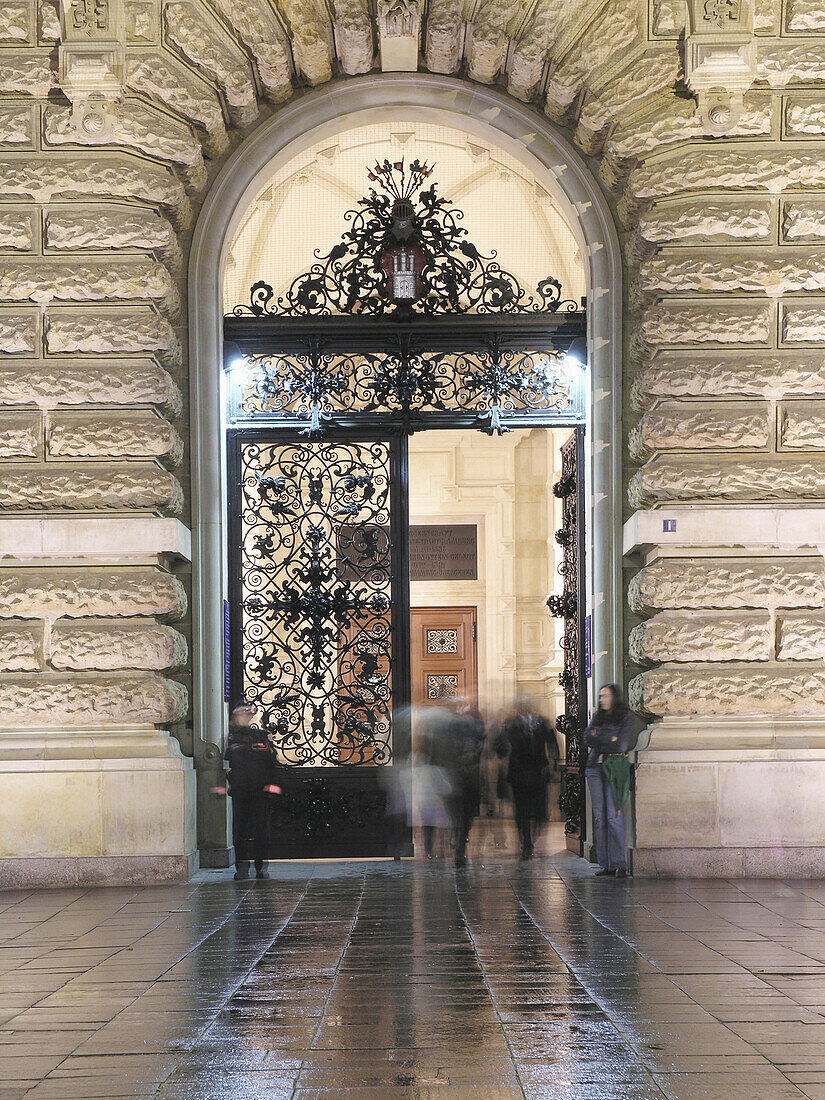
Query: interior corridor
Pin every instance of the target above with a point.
(374, 979)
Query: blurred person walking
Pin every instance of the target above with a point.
(610, 733)
(533, 751)
(432, 789)
(465, 740)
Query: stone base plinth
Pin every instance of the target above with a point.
(62, 871)
(731, 797)
(118, 808)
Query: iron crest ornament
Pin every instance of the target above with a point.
(405, 254)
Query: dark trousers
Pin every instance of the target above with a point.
(608, 822)
(530, 806)
(250, 828)
(466, 811)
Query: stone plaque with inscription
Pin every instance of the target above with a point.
(443, 552)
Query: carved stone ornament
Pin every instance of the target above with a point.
(720, 60)
(92, 63)
(399, 32)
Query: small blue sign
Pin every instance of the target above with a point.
(668, 524)
(227, 686)
(588, 647)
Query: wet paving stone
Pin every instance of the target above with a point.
(405, 980)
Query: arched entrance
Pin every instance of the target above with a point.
(529, 139)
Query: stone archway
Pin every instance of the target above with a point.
(527, 137)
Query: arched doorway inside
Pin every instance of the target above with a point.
(401, 326)
(532, 142)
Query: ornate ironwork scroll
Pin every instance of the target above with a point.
(316, 598)
(568, 606)
(405, 253)
(491, 384)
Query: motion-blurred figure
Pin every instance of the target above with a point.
(466, 735)
(431, 785)
(533, 752)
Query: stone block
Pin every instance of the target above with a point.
(60, 487)
(112, 435)
(752, 478)
(106, 227)
(803, 324)
(81, 593)
(802, 425)
(801, 637)
(729, 583)
(805, 15)
(673, 426)
(728, 374)
(803, 221)
(49, 20)
(16, 229)
(218, 56)
(783, 272)
(16, 27)
(715, 221)
(703, 636)
(16, 126)
(138, 126)
(784, 61)
(804, 116)
(26, 72)
(263, 36)
(21, 646)
(46, 279)
(163, 79)
(114, 330)
(676, 805)
(20, 435)
(92, 645)
(79, 382)
(745, 166)
(786, 812)
(98, 822)
(674, 123)
(19, 331)
(142, 23)
(43, 177)
(674, 321)
(711, 689)
(49, 700)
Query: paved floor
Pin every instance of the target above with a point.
(413, 980)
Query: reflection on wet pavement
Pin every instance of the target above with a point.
(410, 980)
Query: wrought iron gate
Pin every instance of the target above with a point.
(320, 623)
(570, 607)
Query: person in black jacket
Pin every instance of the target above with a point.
(533, 751)
(609, 733)
(465, 744)
(252, 779)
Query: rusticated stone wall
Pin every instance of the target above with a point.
(725, 319)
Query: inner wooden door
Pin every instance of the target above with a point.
(443, 654)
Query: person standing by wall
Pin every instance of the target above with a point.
(252, 780)
(610, 732)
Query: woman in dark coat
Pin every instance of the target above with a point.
(610, 732)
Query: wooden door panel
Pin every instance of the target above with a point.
(444, 647)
